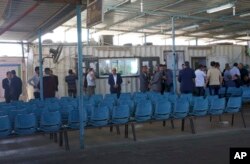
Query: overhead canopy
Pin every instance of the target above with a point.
(193, 19)
(21, 19)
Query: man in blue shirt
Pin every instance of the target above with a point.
(187, 78)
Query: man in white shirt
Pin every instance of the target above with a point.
(91, 82)
(235, 73)
(200, 81)
(34, 82)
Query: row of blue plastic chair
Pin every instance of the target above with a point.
(51, 121)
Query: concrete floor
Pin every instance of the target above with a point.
(155, 144)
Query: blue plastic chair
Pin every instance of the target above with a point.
(143, 111)
(54, 106)
(96, 99)
(125, 96)
(111, 96)
(89, 110)
(14, 113)
(50, 121)
(181, 108)
(195, 98)
(5, 126)
(188, 97)
(211, 99)
(233, 105)
(173, 98)
(162, 110)
(65, 112)
(217, 106)
(120, 114)
(100, 116)
(234, 92)
(200, 107)
(130, 103)
(25, 124)
(74, 119)
(222, 92)
(140, 95)
(246, 95)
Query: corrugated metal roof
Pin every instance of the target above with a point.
(27, 27)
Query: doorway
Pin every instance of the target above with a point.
(196, 61)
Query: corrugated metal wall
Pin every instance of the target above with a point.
(222, 53)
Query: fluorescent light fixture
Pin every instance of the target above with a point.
(220, 8)
(190, 27)
(245, 15)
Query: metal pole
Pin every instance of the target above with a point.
(196, 41)
(40, 64)
(24, 74)
(88, 37)
(145, 39)
(80, 79)
(174, 56)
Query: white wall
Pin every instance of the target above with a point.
(220, 53)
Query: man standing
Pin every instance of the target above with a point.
(235, 73)
(71, 81)
(55, 79)
(6, 86)
(91, 82)
(156, 82)
(186, 78)
(214, 79)
(144, 79)
(169, 79)
(15, 86)
(49, 84)
(200, 81)
(115, 81)
(34, 82)
(243, 75)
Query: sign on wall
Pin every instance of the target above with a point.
(94, 13)
(169, 59)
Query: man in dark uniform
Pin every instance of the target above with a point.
(6, 86)
(15, 86)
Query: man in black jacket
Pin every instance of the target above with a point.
(6, 86)
(15, 86)
(71, 81)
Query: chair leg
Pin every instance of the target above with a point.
(117, 129)
(164, 123)
(60, 139)
(55, 137)
(182, 124)
(133, 131)
(192, 125)
(51, 136)
(172, 123)
(210, 118)
(66, 139)
(243, 119)
(232, 123)
(220, 118)
(111, 128)
(126, 131)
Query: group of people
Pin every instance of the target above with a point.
(196, 81)
(114, 80)
(12, 86)
(50, 83)
(160, 81)
(191, 81)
